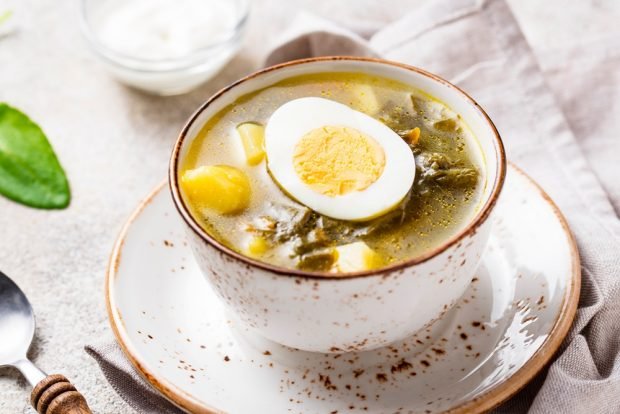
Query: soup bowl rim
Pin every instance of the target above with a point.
(471, 227)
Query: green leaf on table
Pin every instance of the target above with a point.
(30, 172)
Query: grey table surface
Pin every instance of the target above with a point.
(114, 143)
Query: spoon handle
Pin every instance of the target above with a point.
(56, 395)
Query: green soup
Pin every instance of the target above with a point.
(269, 225)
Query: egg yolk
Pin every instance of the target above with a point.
(335, 160)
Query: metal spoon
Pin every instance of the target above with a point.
(52, 394)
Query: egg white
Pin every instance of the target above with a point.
(291, 121)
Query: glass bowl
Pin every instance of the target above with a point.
(184, 65)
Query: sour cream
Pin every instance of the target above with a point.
(165, 46)
(164, 29)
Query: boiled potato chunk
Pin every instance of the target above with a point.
(355, 257)
(221, 188)
(365, 99)
(253, 140)
(257, 246)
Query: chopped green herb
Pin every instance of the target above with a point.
(5, 16)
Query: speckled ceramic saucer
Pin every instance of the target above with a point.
(503, 331)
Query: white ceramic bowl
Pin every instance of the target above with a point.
(355, 311)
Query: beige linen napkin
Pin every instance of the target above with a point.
(479, 46)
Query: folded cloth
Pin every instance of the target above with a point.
(126, 382)
(479, 46)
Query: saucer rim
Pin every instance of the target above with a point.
(488, 400)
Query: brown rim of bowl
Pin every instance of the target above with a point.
(476, 222)
(493, 397)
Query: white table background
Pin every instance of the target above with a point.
(115, 142)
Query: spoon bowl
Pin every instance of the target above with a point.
(17, 327)
(17, 322)
(52, 394)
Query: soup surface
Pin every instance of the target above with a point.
(230, 186)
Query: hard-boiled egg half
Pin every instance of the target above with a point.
(337, 161)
